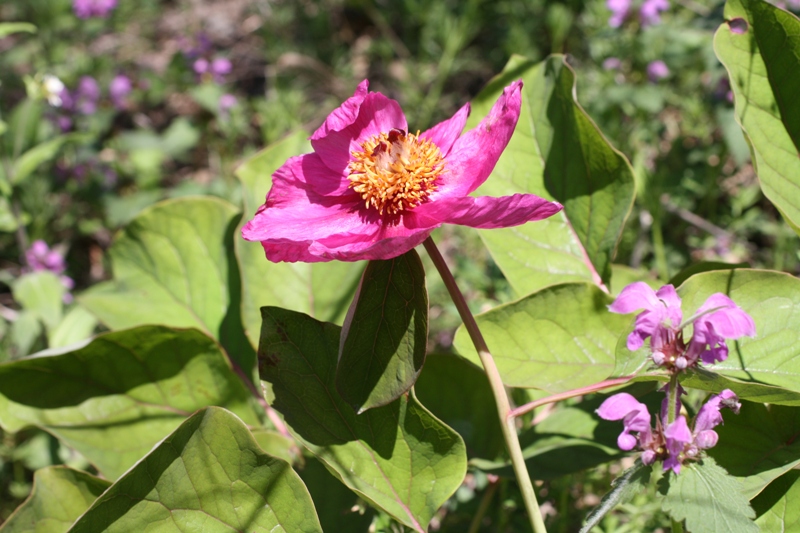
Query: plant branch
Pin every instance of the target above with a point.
(606, 384)
(507, 422)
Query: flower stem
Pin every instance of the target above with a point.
(673, 396)
(507, 422)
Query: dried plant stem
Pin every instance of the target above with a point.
(507, 421)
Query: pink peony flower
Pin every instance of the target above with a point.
(373, 190)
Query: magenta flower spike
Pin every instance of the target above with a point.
(673, 443)
(85, 9)
(728, 322)
(657, 70)
(650, 12)
(619, 11)
(718, 319)
(373, 190)
(119, 89)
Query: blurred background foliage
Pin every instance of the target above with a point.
(169, 96)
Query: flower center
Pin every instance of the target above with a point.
(395, 171)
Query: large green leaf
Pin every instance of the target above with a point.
(560, 338)
(708, 499)
(761, 50)
(777, 507)
(385, 335)
(322, 290)
(399, 457)
(338, 508)
(458, 393)
(119, 394)
(759, 444)
(59, 496)
(557, 152)
(174, 265)
(209, 475)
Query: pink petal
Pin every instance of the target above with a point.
(307, 202)
(635, 296)
(365, 246)
(487, 212)
(618, 406)
(377, 114)
(344, 115)
(730, 322)
(669, 296)
(445, 133)
(475, 154)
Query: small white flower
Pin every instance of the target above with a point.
(52, 88)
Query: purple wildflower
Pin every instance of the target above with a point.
(220, 67)
(657, 70)
(226, 102)
(619, 11)
(85, 9)
(673, 443)
(650, 12)
(200, 66)
(612, 63)
(86, 95)
(718, 319)
(119, 89)
(41, 257)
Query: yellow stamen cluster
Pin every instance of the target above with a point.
(395, 171)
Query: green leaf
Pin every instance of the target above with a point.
(41, 293)
(276, 444)
(568, 440)
(59, 496)
(458, 393)
(385, 335)
(398, 457)
(115, 397)
(776, 507)
(32, 159)
(703, 266)
(78, 324)
(7, 28)
(763, 62)
(209, 475)
(746, 390)
(623, 275)
(708, 499)
(336, 504)
(174, 265)
(759, 444)
(558, 153)
(772, 299)
(322, 290)
(560, 338)
(632, 482)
